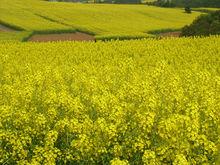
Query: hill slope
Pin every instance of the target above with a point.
(102, 20)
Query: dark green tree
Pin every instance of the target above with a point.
(206, 24)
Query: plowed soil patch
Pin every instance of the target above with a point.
(78, 36)
(6, 29)
(170, 34)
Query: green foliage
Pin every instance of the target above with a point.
(208, 24)
(183, 3)
(205, 9)
(188, 9)
(120, 102)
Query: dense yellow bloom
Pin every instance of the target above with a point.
(117, 161)
(180, 160)
(146, 101)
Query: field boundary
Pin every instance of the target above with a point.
(110, 38)
(61, 32)
(51, 20)
(160, 33)
(46, 32)
(155, 34)
(65, 24)
(10, 26)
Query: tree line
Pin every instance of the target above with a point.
(183, 3)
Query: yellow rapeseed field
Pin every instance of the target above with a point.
(133, 102)
(102, 20)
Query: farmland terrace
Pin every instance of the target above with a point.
(104, 21)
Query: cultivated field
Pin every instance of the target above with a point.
(102, 20)
(139, 102)
(152, 101)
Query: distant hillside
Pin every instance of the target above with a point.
(102, 20)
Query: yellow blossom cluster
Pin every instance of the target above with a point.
(147, 101)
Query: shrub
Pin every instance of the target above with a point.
(204, 25)
(188, 9)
